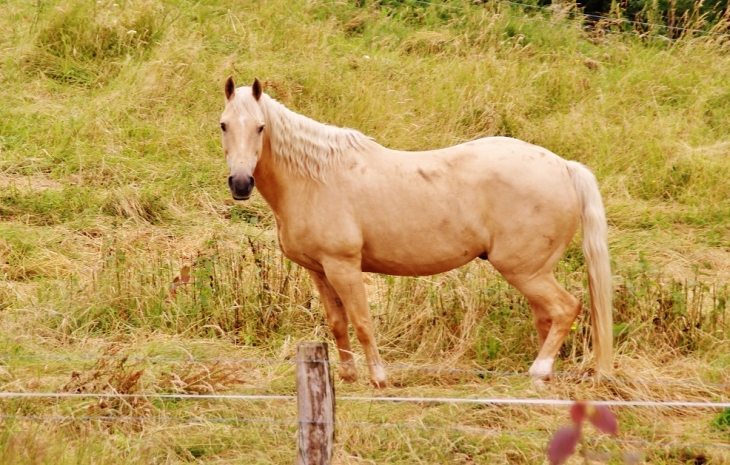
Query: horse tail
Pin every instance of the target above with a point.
(595, 250)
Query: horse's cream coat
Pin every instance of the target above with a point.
(343, 204)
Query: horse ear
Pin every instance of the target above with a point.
(230, 88)
(256, 88)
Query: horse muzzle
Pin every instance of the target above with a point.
(241, 186)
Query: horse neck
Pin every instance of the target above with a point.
(271, 181)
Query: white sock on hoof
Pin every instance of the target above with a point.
(542, 368)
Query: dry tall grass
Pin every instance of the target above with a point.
(112, 186)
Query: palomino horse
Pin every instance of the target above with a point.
(345, 204)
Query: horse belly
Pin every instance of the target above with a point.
(412, 268)
(420, 254)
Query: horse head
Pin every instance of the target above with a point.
(242, 126)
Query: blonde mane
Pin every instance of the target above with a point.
(306, 146)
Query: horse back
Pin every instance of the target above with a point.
(439, 209)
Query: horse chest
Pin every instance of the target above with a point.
(297, 248)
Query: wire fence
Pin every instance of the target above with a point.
(395, 366)
(541, 436)
(367, 424)
(343, 399)
(436, 369)
(395, 399)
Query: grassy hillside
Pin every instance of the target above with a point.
(113, 184)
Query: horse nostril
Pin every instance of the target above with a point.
(251, 181)
(230, 182)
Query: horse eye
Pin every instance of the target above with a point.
(223, 127)
(261, 128)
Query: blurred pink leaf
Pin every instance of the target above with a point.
(603, 419)
(599, 416)
(563, 443)
(578, 412)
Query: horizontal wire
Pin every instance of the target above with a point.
(139, 419)
(648, 444)
(111, 395)
(478, 430)
(414, 427)
(395, 366)
(441, 400)
(551, 402)
(146, 359)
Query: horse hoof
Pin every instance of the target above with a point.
(348, 373)
(378, 378)
(542, 369)
(379, 384)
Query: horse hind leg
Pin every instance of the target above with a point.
(554, 311)
(337, 321)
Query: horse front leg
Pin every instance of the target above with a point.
(345, 276)
(337, 321)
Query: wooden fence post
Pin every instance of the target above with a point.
(316, 404)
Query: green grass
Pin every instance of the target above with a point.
(112, 180)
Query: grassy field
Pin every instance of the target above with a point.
(113, 184)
